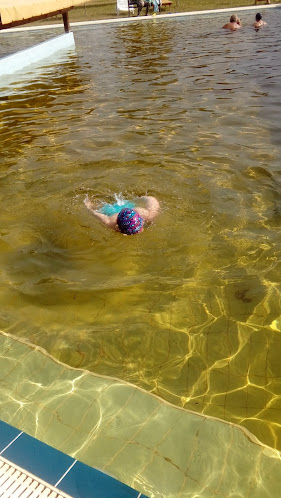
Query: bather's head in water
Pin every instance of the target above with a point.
(129, 221)
(233, 24)
(259, 22)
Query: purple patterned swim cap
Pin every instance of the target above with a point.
(129, 221)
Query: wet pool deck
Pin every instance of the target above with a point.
(45, 471)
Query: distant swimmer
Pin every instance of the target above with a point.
(259, 22)
(233, 24)
(126, 217)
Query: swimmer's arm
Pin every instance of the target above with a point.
(109, 221)
(152, 208)
(152, 204)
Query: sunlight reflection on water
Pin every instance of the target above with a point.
(189, 310)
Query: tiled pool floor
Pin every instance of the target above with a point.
(65, 475)
(154, 448)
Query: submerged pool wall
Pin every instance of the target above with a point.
(24, 58)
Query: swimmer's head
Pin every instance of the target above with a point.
(258, 17)
(129, 221)
(234, 18)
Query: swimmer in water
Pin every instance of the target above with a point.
(128, 220)
(233, 24)
(259, 22)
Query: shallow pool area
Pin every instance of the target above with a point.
(127, 433)
(184, 318)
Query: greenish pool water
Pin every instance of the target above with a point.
(190, 309)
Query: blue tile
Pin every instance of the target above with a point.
(38, 458)
(83, 481)
(50, 465)
(7, 434)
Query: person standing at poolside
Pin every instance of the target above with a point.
(141, 4)
(128, 220)
(233, 24)
(267, 1)
(259, 22)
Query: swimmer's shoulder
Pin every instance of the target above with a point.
(151, 209)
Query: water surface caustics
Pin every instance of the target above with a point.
(190, 310)
(157, 448)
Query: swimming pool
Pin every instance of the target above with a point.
(189, 310)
